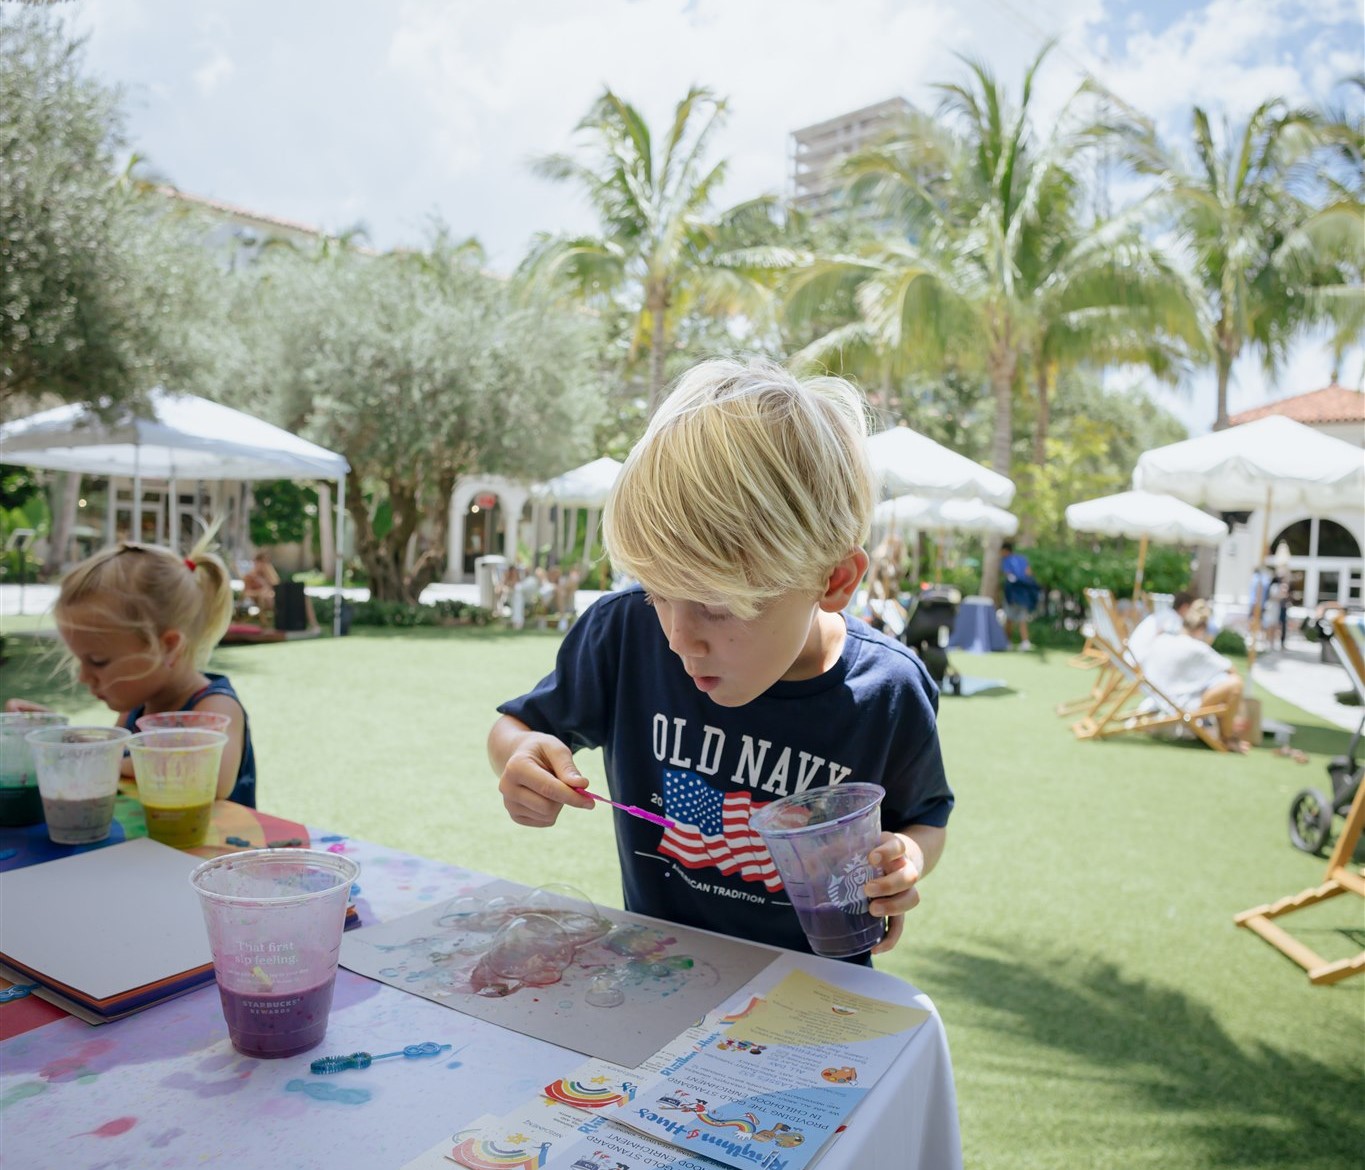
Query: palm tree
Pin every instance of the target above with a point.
(661, 252)
(984, 264)
(1246, 210)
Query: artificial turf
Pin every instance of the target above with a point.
(1077, 938)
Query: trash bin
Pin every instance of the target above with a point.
(290, 610)
(488, 573)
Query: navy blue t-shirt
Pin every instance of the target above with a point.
(670, 749)
(244, 790)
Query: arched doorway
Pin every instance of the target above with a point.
(484, 534)
(1324, 561)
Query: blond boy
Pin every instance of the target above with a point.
(731, 675)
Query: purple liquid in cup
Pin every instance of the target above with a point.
(819, 840)
(285, 1024)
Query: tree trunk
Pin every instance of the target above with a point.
(1047, 378)
(63, 522)
(431, 564)
(1224, 359)
(1004, 362)
(658, 307)
(326, 529)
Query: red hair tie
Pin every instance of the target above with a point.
(190, 565)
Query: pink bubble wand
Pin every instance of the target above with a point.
(634, 809)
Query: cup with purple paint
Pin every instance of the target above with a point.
(820, 840)
(78, 770)
(274, 919)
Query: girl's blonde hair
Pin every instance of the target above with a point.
(148, 589)
(748, 483)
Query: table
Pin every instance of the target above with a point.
(977, 628)
(165, 1089)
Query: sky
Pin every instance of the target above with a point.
(392, 112)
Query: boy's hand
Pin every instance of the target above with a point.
(539, 779)
(24, 705)
(901, 861)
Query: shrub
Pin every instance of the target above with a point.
(1230, 643)
(404, 615)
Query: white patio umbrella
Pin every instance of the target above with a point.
(906, 461)
(1272, 459)
(921, 515)
(1258, 464)
(1145, 516)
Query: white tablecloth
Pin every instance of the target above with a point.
(164, 1088)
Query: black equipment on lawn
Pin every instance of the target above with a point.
(1311, 811)
(928, 626)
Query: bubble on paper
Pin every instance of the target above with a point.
(604, 991)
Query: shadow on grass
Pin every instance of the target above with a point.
(1320, 741)
(1250, 1107)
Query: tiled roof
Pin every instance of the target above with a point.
(242, 212)
(1331, 404)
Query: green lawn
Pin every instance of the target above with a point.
(1102, 1009)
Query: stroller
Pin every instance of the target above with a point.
(1311, 812)
(928, 626)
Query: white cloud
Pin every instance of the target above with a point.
(332, 111)
(213, 72)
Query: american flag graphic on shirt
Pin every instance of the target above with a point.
(712, 829)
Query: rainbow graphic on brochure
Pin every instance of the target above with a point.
(570, 1092)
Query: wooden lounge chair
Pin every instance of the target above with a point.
(1348, 638)
(1131, 702)
(1093, 656)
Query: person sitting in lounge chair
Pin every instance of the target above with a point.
(1189, 672)
(258, 586)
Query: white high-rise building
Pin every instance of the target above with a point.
(815, 151)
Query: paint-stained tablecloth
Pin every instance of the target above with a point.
(165, 1088)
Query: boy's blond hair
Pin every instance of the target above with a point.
(148, 589)
(747, 484)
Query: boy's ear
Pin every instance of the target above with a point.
(843, 581)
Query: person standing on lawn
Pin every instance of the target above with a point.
(1021, 592)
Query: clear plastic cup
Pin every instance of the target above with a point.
(819, 840)
(202, 720)
(177, 779)
(20, 803)
(274, 919)
(78, 770)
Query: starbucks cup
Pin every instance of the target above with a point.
(20, 803)
(78, 769)
(274, 919)
(200, 720)
(177, 779)
(820, 840)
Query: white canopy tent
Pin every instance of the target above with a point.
(1145, 516)
(906, 461)
(182, 437)
(585, 487)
